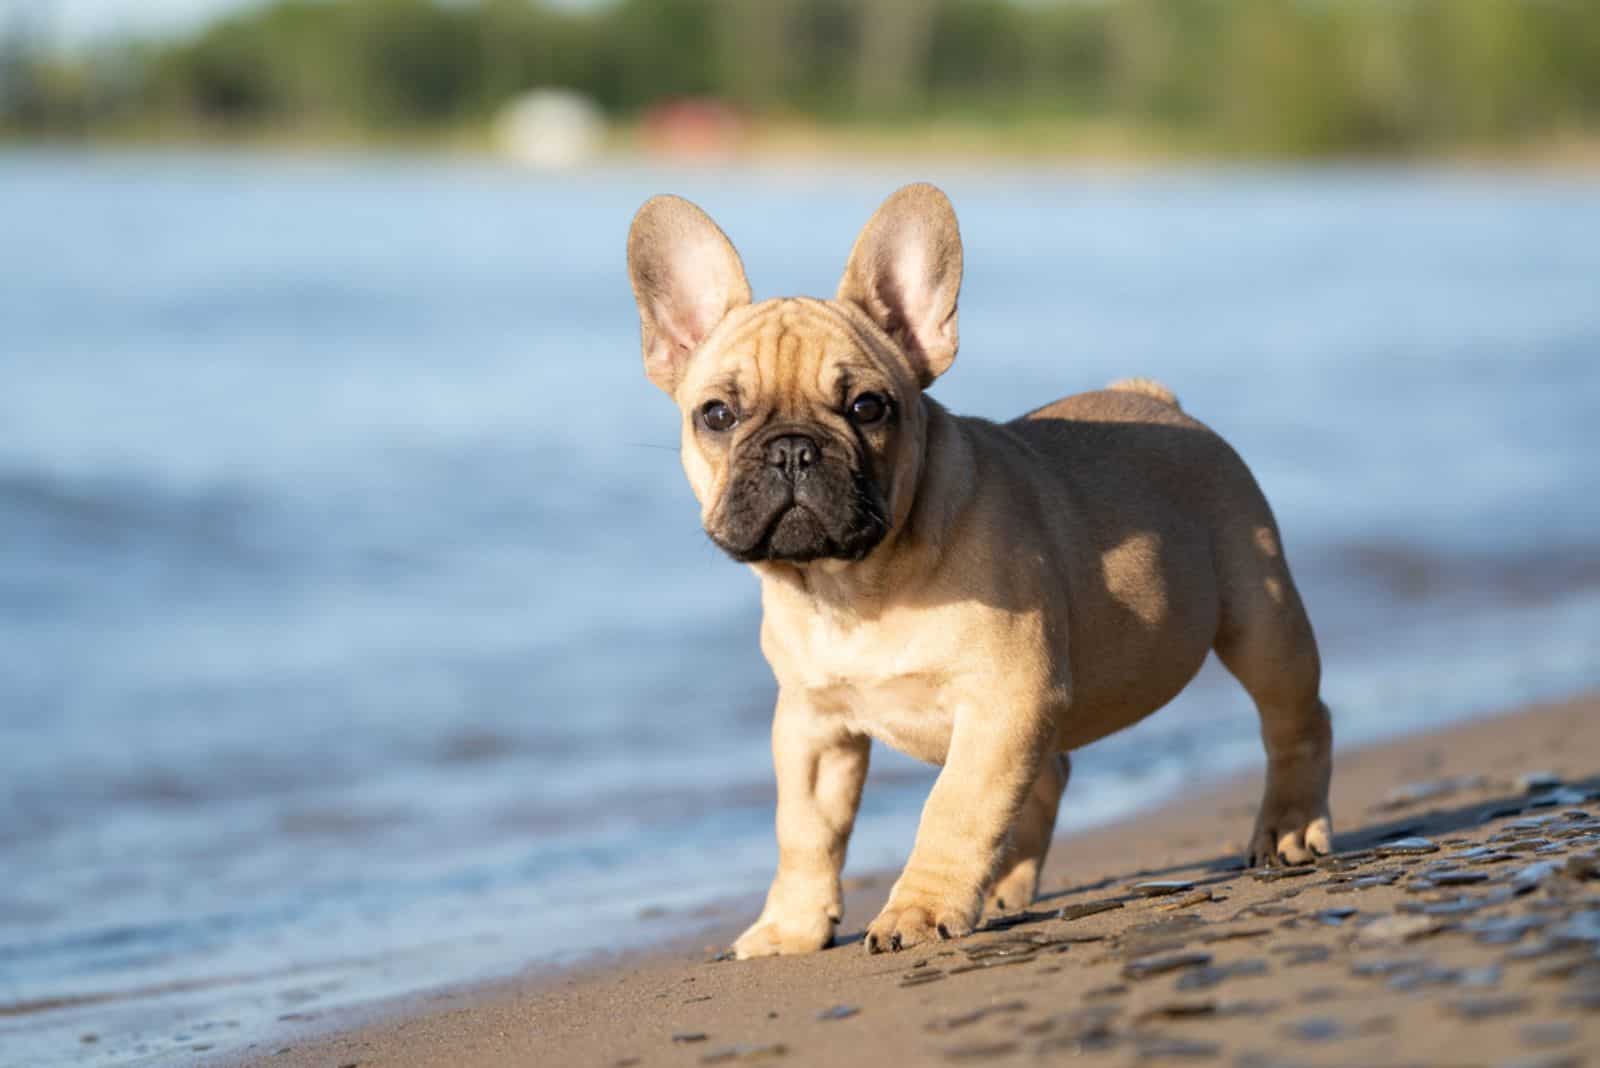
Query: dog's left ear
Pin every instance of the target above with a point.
(905, 272)
(686, 277)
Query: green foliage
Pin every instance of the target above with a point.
(1277, 77)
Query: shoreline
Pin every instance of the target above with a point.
(946, 144)
(1455, 785)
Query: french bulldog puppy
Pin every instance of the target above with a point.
(984, 596)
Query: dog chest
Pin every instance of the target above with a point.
(896, 688)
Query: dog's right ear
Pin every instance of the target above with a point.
(686, 277)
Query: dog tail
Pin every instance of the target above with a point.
(1149, 387)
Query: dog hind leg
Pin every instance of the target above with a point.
(1265, 640)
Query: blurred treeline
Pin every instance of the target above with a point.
(1285, 77)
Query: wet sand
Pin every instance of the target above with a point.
(1458, 924)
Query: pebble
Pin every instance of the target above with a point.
(1334, 917)
(1407, 847)
(1413, 793)
(1161, 887)
(1272, 875)
(1391, 929)
(685, 1037)
(1189, 900)
(838, 1012)
(1368, 882)
(1459, 877)
(1146, 967)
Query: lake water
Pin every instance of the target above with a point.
(357, 635)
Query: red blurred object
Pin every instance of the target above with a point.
(692, 127)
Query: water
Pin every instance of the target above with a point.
(357, 635)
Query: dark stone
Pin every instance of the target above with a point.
(1316, 1029)
(1335, 917)
(1504, 930)
(932, 975)
(1579, 927)
(1207, 977)
(1161, 887)
(981, 1051)
(1547, 1033)
(1557, 797)
(965, 1019)
(1272, 875)
(838, 1012)
(1149, 1047)
(1178, 1010)
(1146, 967)
(992, 962)
(746, 1054)
(1459, 877)
(1385, 966)
(1587, 1000)
(1110, 990)
(685, 1037)
(1485, 1007)
(1303, 954)
(1234, 933)
(1533, 782)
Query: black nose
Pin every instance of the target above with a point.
(792, 453)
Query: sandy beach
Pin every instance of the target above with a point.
(1458, 924)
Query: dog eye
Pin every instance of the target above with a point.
(717, 416)
(869, 408)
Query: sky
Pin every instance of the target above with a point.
(80, 20)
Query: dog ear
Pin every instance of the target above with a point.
(905, 272)
(686, 277)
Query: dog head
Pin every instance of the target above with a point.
(803, 420)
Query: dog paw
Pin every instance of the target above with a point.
(1016, 889)
(785, 936)
(1291, 830)
(903, 924)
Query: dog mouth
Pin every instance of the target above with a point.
(795, 533)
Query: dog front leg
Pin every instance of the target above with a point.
(820, 769)
(993, 761)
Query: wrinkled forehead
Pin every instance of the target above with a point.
(793, 346)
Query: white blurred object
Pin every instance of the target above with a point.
(550, 128)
